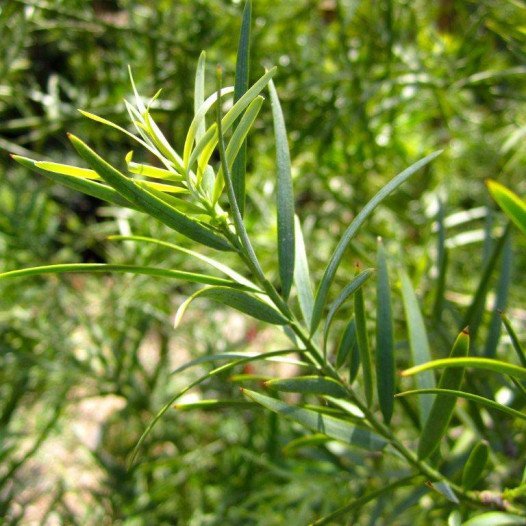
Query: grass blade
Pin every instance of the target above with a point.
(418, 341)
(385, 363)
(284, 196)
(147, 202)
(239, 167)
(512, 205)
(487, 364)
(352, 229)
(332, 427)
(363, 346)
(441, 412)
(302, 276)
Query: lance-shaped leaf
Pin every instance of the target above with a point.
(441, 412)
(385, 363)
(362, 342)
(475, 465)
(242, 302)
(199, 93)
(131, 269)
(148, 202)
(486, 402)
(284, 196)
(86, 186)
(352, 229)
(317, 385)
(346, 344)
(512, 205)
(487, 364)
(418, 341)
(232, 274)
(302, 275)
(332, 427)
(347, 291)
(241, 86)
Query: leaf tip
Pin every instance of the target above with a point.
(465, 331)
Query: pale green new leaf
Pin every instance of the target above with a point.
(512, 205)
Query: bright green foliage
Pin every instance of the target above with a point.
(475, 465)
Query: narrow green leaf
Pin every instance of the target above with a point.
(444, 489)
(85, 186)
(228, 356)
(441, 412)
(185, 206)
(213, 405)
(317, 385)
(332, 427)
(487, 364)
(199, 93)
(512, 205)
(496, 518)
(475, 465)
(514, 339)
(245, 303)
(346, 344)
(241, 86)
(284, 196)
(347, 291)
(362, 341)
(232, 274)
(418, 341)
(66, 169)
(147, 170)
(385, 362)
(352, 229)
(468, 396)
(317, 439)
(103, 267)
(302, 275)
(149, 203)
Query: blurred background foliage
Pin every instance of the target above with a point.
(85, 361)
